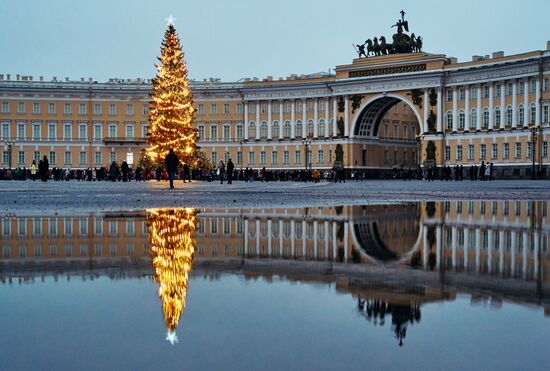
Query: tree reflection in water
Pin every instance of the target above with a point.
(172, 249)
(375, 311)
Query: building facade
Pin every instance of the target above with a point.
(385, 111)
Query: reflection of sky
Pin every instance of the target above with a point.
(236, 324)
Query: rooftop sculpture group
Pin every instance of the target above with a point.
(402, 43)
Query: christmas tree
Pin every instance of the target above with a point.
(171, 111)
(172, 249)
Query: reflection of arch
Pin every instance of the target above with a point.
(371, 243)
(371, 113)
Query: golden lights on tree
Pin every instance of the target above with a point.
(171, 112)
(172, 249)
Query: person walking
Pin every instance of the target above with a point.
(482, 171)
(113, 171)
(33, 170)
(43, 168)
(125, 170)
(488, 172)
(171, 161)
(221, 170)
(230, 169)
(186, 173)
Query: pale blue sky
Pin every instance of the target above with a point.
(246, 38)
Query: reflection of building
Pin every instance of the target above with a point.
(499, 246)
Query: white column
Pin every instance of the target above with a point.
(502, 104)
(537, 103)
(316, 239)
(455, 109)
(281, 118)
(326, 240)
(514, 103)
(466, 246)
(334, 242)
(478, 249)
(304, 242)
(426, 112)
(346, 117)
(491, 107)
(501, 251)
(467, 108)
(334, 117)
(246, 237)
(257, 237)
(326, 117)
(315, 117)
(439, 246)
(304, 117)
(453, 246)
(281, 238)
(478, 116)
(292, 119)
(293, 238)
(245, 120)
(425, 246)
(513, 247)
(525, 102)
(439, 119)
(269, 237)
(258, 125)
(490, 251)
(524, 250)
(346, 238)
(269, 123)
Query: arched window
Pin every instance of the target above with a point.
(287, 129)
(461, 119)
(310, 129)
(299, 128)
(509, 116)
(322, 128)
(263, 130)
(485, 118)
(473, 118)
(252, 130)
(497, 117)
(449, 120)
(276, 130)
(533, 114)
(521, 112)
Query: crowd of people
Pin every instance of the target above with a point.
(227, 172)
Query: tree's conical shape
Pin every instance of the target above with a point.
(171, 111)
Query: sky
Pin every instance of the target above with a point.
(234, 39)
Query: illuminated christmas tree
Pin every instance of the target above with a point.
(171, 112)
(172, 248)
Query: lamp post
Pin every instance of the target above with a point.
(534, 134)
(419, 148)
(306, 142)
(9, 143)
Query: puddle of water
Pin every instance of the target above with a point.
(416, 285)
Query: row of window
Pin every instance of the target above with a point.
(485, 90)
(67, 158)
(495, 208)
(36, 131)
(495, 151)
(275, 157)
(68, 250)
(97, 108)
(68, 224)
(497, 117)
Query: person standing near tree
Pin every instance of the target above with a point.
(171, 162)
(186, 173)
(43, 168)
(221, 170)
(230, 169)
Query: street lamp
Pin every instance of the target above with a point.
(9, 143)
(419, 148)
(534, 134)
(306, 142)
